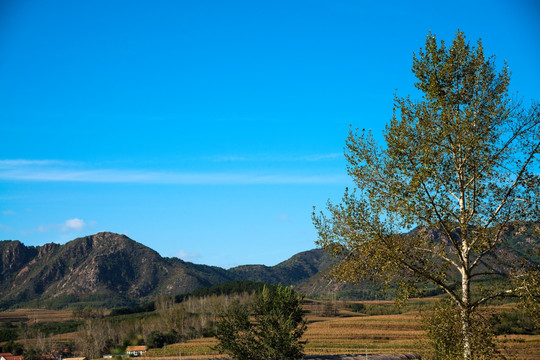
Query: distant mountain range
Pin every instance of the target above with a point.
(108, 269)
(113, 270)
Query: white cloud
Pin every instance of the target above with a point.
(8, 212)
(44, 228)
(186, 256)
(73, 224)
(19, 170)
(275, 158)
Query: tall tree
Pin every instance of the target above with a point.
(460, 167)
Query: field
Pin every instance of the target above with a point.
(31, 316)
(383, 330)
(348, 332)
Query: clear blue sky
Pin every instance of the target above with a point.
(208, 130)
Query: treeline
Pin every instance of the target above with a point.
(228, 288)
(171, 322)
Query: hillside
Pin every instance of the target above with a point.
(113, 270)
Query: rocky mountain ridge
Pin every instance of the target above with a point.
(113, 268)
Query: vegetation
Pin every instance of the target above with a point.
(458, 168)
(228, 288)
(274, 333)
(380, 327)
(514, 322)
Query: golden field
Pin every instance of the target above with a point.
(346, 332)
(352, 333)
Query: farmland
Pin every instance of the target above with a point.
(347, 332)
(379, 328)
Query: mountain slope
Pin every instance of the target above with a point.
(108, 269)
(111, 269)
(106, 264)
(292, 271)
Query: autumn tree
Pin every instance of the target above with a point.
(456, 178)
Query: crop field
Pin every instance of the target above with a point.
(381, 328)
(351, 333)
(35, 315)
(376, 334)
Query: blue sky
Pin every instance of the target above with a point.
(208, 130)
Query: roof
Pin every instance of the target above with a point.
(12, 357)
(75, 358)
(135, 348)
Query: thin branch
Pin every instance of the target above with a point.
(488, 273)
(511, 188)
(448, 260)
(493, 296)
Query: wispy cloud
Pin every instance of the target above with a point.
(42, 171)
(26, 162)
(8, 212)
(186, 256)
(68, 226)
(6, 228)
(275, 158)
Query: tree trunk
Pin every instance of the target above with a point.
(466, 316)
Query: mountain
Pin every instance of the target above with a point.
(292, 271)
(113, 270)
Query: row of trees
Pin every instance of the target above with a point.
(171, 322)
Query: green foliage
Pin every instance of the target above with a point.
(8, 332)
(87, 313)
(357, 307)
(32, 354)
(157, 339)
(444, 329)
(228, 288)
(514, 322)
(55, 328)
(15, 348)
(146, 307)
(458, 171)
(274, 333)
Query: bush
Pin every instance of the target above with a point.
(274, 333)
(12, 347)
(357, 307)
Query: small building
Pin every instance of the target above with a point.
(136, 350)
(9, 356)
